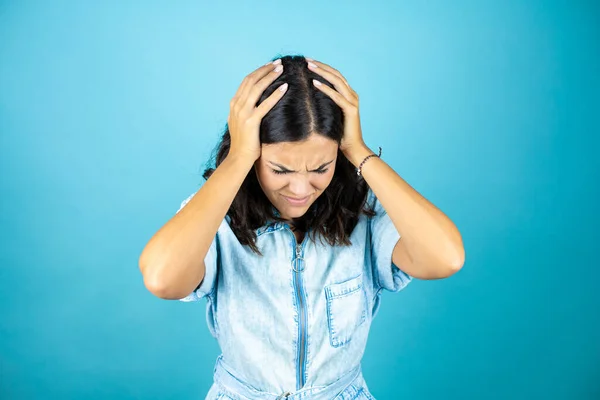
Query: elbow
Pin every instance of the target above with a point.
(457, 262)
(156, 284)
(457, 267)
(162, 291)
(450, 266)
(455, 259)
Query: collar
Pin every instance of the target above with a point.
(271, 226)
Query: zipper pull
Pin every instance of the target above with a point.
(298, 261)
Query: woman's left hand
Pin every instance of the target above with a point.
(346, 98)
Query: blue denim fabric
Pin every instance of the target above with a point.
(297, 319)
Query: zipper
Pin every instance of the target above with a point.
(298, 265)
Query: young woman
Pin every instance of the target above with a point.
(293, 237)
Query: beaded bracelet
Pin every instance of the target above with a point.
(358, 170)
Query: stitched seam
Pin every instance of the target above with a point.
(332, 296)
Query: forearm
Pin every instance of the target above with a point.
(172, 263)
(431, 238)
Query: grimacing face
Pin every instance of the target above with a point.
(298, 171)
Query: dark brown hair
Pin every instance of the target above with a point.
(303, 110)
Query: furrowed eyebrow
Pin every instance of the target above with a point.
(289, 170)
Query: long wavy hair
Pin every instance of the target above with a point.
(303, 110)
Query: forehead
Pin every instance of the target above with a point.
(314, 148)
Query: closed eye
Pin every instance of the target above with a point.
(319, 171)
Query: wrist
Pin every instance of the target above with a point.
(243, 161)
(358, 153)
(242, 156)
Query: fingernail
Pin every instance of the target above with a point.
(279, 68)
(316, 82)
(278, 61)
(309, 59)
(283, 87)
(312, 65)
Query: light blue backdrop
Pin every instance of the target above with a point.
(109, 110)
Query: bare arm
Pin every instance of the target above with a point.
(172, 263)
(430, 245)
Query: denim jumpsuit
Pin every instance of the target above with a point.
(293, 324)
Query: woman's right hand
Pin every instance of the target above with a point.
(244, 117)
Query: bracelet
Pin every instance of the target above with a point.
(358, 170)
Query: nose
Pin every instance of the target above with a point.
(300, 186)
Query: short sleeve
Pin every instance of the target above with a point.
(210, 262)
(384, 237)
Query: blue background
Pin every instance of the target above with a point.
(109, 111)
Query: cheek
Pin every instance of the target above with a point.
(322, 181)
(272, 182)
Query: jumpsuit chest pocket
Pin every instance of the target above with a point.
(346, 309)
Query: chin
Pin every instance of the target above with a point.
(298, 212)
(295, 212)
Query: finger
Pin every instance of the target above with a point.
(338, 83)
(335, 96)
(265, 69)
(270, 101)
(259, 87)
(255, 76)
(331, 70)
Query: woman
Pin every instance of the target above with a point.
(294, 236)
